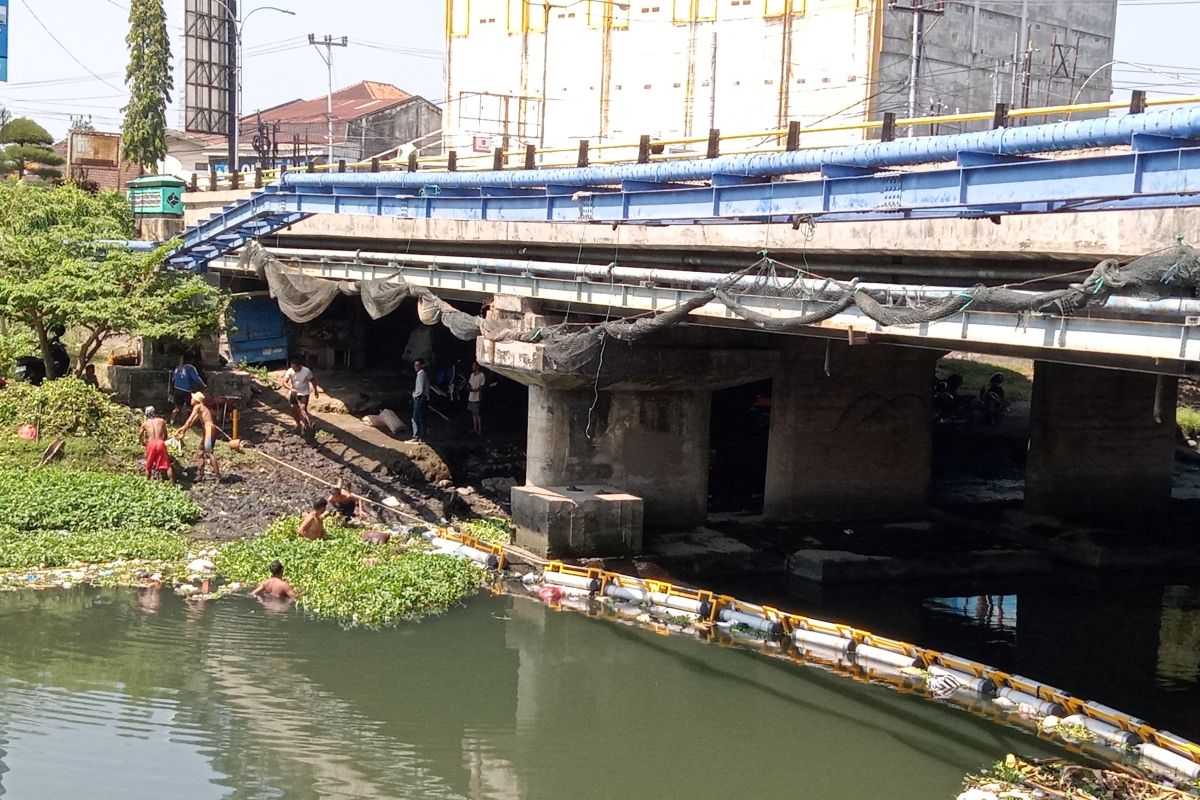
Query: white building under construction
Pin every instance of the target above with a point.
(529, 71)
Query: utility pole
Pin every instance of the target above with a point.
(918, 9)
(328, 42)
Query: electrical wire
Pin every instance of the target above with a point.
(64, 48)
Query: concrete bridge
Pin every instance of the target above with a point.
(629, 430)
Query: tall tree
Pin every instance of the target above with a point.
(148, 76)
(60, 268)
(27, 150)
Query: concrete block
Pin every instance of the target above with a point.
(135, 386)
(577, 521)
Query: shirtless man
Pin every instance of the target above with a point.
(313, 526)
(346, 502)
(275, 586)
(203, 413)
(153, 434)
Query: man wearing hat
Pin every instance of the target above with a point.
(202, 413)
(153, 434)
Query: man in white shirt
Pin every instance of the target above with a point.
(420, 397)
(300, 380)
(475, 386)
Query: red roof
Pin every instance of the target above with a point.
(353, 102)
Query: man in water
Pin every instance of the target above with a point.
(313, 525)
(420, 397)
(275, 586)
(301, 382)
(153, 434)
(203, 413)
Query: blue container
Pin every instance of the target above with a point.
(257, 333)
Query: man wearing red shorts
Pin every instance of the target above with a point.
(153, 434)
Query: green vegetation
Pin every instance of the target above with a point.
(54, 275)
(496, 530)
(258, 372)
(27, 150)
(1018, 777)
(65, 407)
(347, 579)
(1188, 420)
(56, 516)
(144, 130)
(1018, 376)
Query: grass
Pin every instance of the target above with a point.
(1188, 420)
(345, 578)
(496, 530)
(1018, 378)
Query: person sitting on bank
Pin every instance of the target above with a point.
(313, 525)
(301, 382)
(345, 502)
(275, 586)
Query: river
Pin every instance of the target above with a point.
(123, 694)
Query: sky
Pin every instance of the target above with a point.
(79, 67)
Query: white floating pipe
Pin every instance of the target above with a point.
(581, 582)
(679, 602)
(1043, 708)
(1161, 757)
(753, 621)
(1176, 306)
(668, 611)
(808, 640)
(984, 687)
(1109, 734)
(630, 593)
(867, 652)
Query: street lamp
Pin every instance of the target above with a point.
(235, 111)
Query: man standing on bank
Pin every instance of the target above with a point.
(300, 380)
(420, 397)
(475, 386)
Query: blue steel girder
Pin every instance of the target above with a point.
(1162, 178)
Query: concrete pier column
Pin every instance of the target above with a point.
(1099, 440)
(653, 444)
(850, 432)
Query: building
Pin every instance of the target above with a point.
(369, 119)
(93, 159)
(528, 71)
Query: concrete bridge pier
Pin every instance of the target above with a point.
(1100, 440)
(850, 432)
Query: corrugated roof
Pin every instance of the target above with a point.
(350, 103)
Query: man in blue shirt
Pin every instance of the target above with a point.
(420, 396)
(185, 380)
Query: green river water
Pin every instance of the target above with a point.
(115, 694)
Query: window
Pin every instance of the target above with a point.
(458, 17)
(693, 10)
(777, 8)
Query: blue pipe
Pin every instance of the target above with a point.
(1180, 123)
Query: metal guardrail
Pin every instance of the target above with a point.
(648, 149)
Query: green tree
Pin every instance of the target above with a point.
(59, 266)
(27, 150)
(144, 131)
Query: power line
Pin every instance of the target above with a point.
(50, 33)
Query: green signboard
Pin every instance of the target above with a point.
(156, 194)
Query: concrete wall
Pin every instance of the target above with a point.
(968, 62)
(650, 444)
(1095, 444)
(374, 133)
(850, 432)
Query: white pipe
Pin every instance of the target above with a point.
(1036, 705)
(807, 640)
(1180, 306)
(572, 581)
(677, 602)
(631, 593)
(980, 686)
(753, 621)
(1161, 757)
(866, 652)
(1109, 734)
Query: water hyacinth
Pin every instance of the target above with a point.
(347, 579)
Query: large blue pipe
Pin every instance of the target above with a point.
(1181, 123)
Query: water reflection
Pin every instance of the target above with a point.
(502, 699)
(1179, 637)
(997, 613)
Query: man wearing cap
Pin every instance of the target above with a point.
(203, 413)
(153, 434)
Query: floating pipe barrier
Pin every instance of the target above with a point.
(858, 653)
(1177, 123)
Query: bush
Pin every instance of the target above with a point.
(21, 549)
(64, 407)
(1188, 420)
(56, 498)
(496, 530)
(347, 579)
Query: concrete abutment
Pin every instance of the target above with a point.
(1100, 440)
